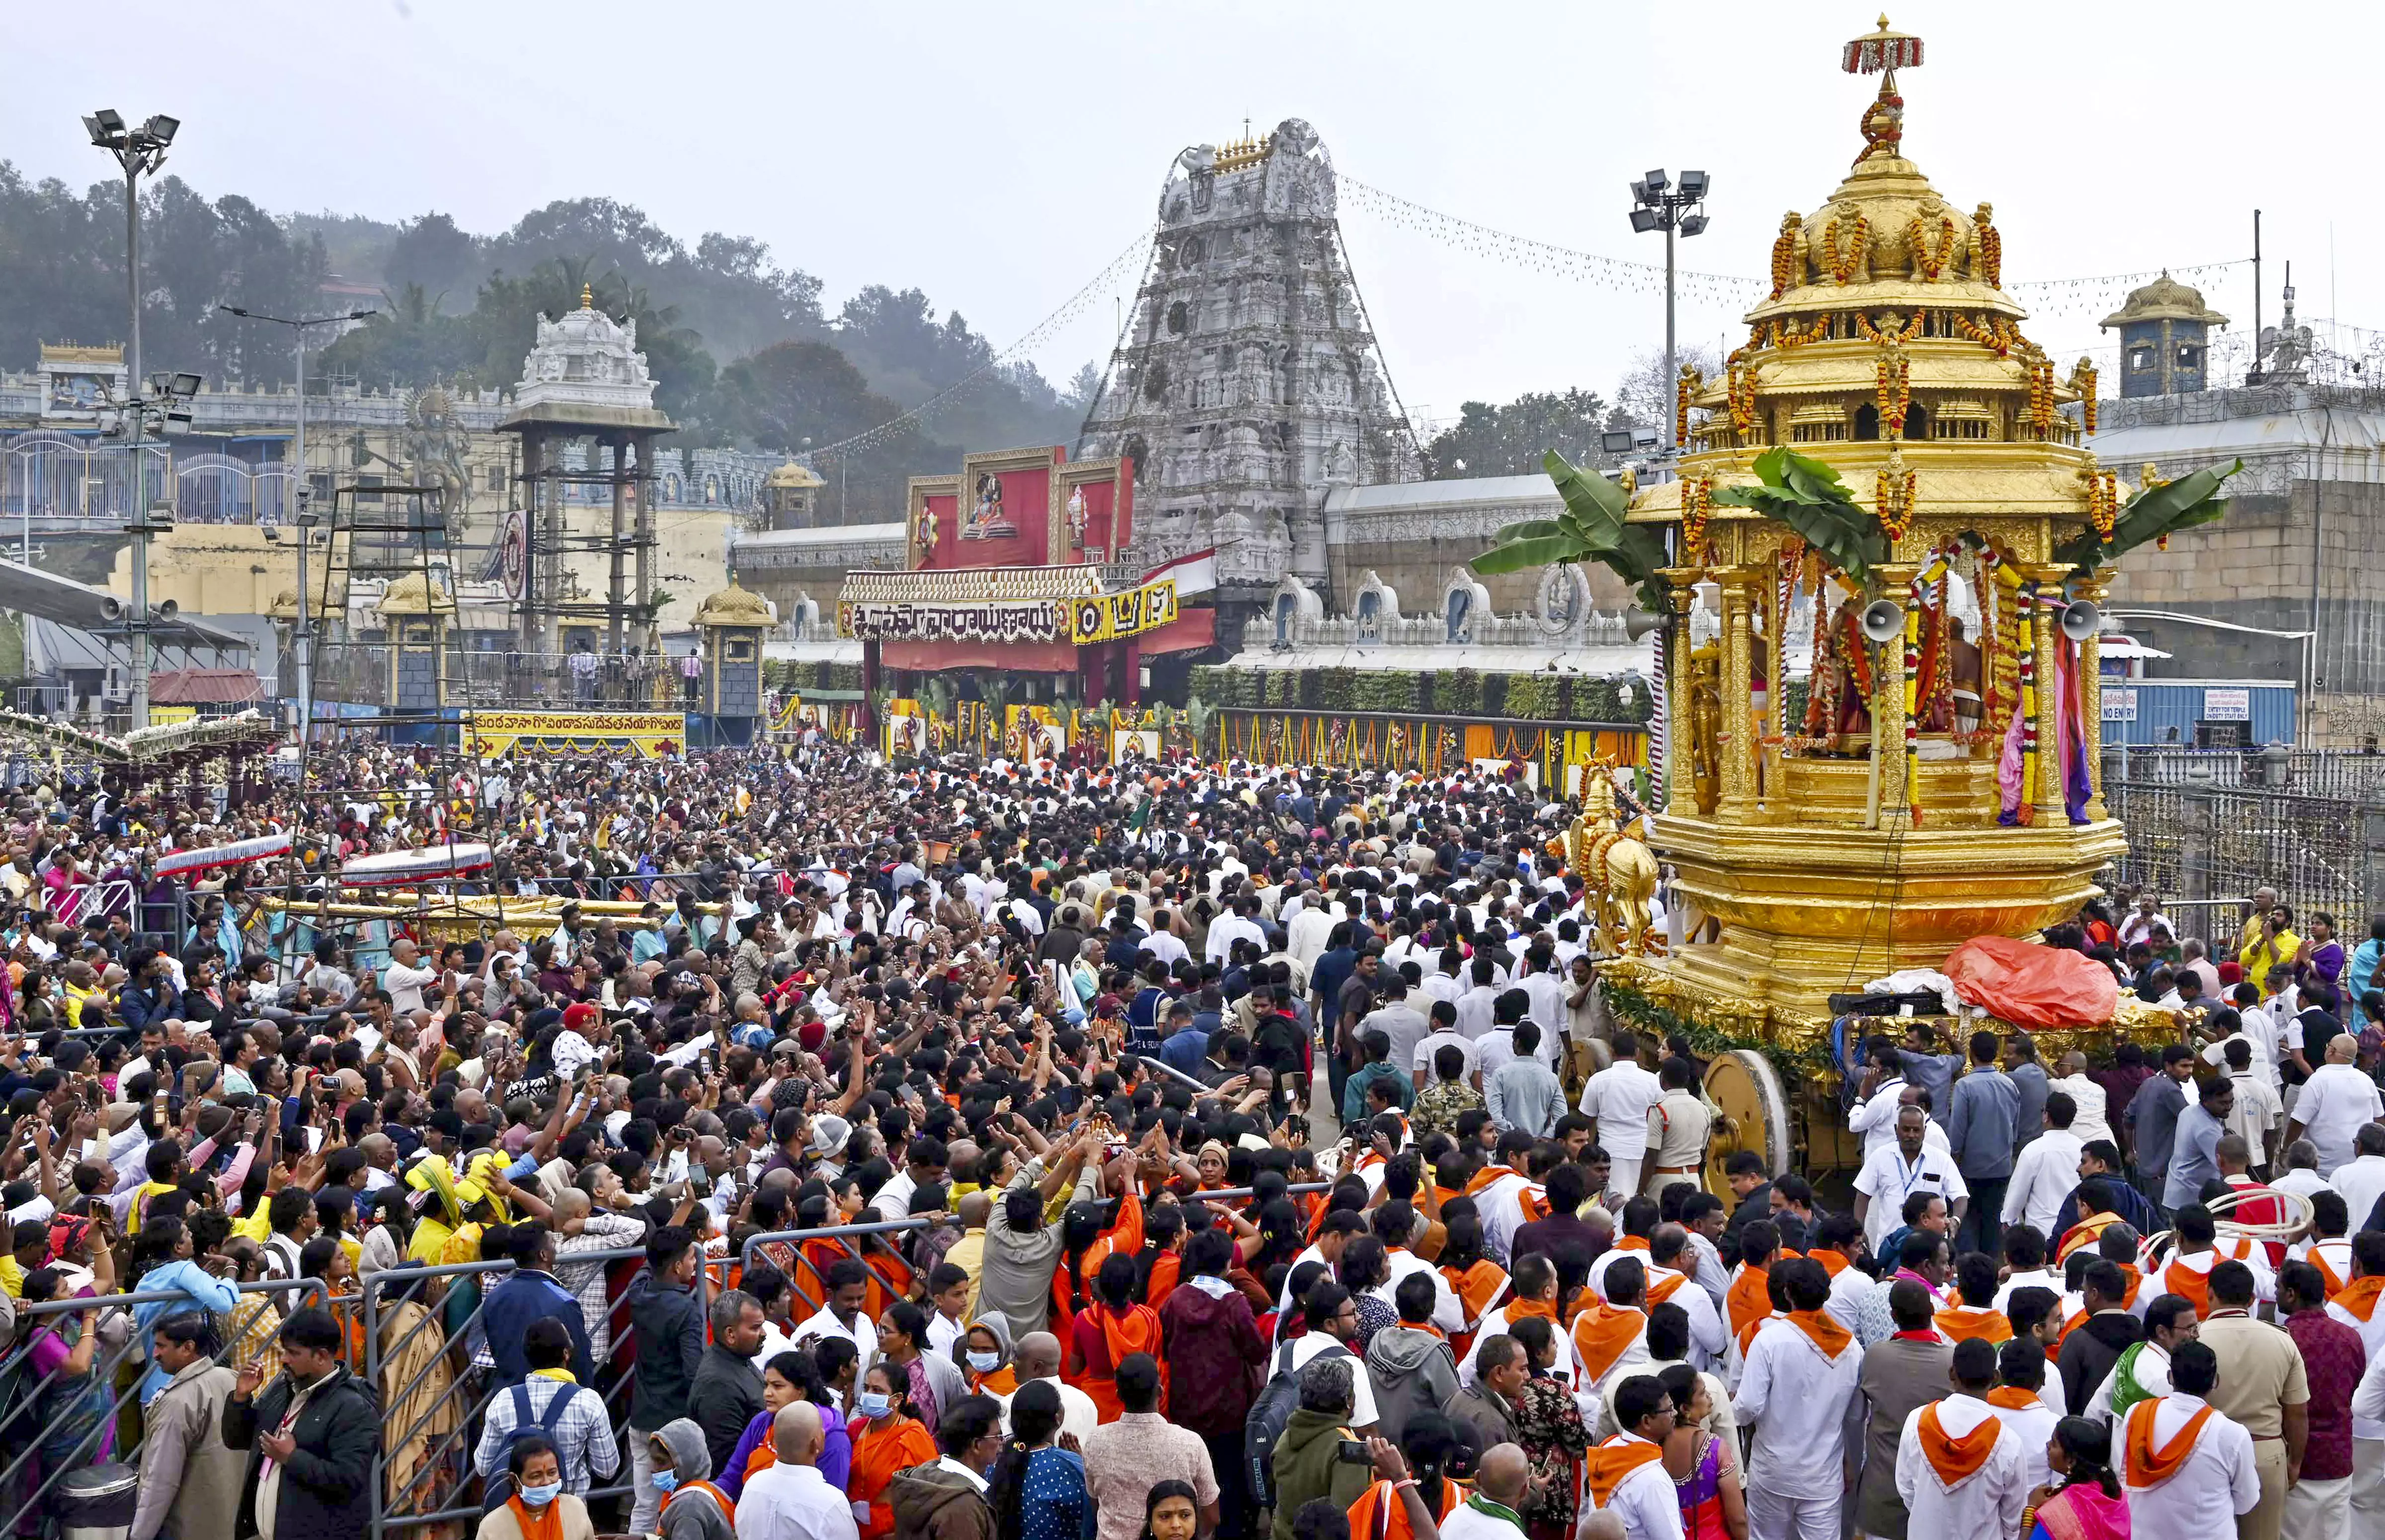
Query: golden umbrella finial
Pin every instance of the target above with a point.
(1882, 50)
(587, 298)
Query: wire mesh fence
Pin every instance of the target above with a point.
(2200, 842)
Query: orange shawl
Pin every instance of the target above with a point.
(1961, 1323)
(2359, 1296)
(2146, 1466)
(2013, 1398)
(1165, 1269)
(1605, 1466)
(1542, 1308)
(1379, 1515)
(2178, 1278)
(1823, 1330)
(1833, 1263)
(1749, 1299)
(1135, 1332)
(1663, 1288)
(546, 1525)
(1603, 1334)
(1002, 1381)
(2085, 1233)
(2336, 1282)
(1956, 1459)
(764, 1454)
(1478, 1288)
(878, 1453)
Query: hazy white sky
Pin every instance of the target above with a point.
(1000, 156)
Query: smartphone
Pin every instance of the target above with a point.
(1350, 1451)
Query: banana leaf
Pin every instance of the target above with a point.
(1591, 528)
(1540, 551)
(2163, 510)
(1808, 497)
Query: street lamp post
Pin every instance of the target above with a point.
(306, 518)
(1658, 203)
(139, 151)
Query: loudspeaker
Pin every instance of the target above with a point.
(1636, 624)
(165, 609)
(111, 608)
(1883, 620)
(2080, 619)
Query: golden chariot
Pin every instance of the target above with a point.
(1887, 465)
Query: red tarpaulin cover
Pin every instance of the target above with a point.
(2032, 985)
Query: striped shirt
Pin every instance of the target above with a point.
(583, 1434)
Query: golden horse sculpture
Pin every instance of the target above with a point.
(1618, 872)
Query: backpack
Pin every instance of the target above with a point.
(501, 1485)
(1277, 1401)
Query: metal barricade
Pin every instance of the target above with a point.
(102, 1376)
(448, 1409)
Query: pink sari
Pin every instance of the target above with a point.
(2082, 1512)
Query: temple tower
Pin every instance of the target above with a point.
(1249, 376)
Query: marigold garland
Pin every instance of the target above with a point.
(1892, 500)
(2083, 380)
(2041, 397)
(1932, 261)
(1697, 506)
(1785, 275)
(1739, 386)
(1681, 410)
(1991, 253)
(1873, 332)
(1895, 391)
(1846, 256)
(2103, 501)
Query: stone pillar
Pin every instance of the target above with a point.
(642, 501)
(1680, 788)
(1888, 699)
(1736, 737)
(2048, 630)
(615, 579)
(2093, 587)
(531, 491)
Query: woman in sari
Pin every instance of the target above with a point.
(2084, 1501)
(1105, 1333)
(68, 1423)
(324, 1257)
(892, 1439)
(789, 1377)
(1705, 1469)
(1550, 1432)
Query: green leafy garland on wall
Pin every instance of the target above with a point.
(1633, 1009)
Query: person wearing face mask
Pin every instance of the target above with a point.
(892, 1439)
(693, 1508)
(540, 1509)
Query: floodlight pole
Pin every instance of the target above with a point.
(137, 150)
(1672, 372)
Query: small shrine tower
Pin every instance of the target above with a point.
(2164, 339)
(417, 616)
(732, 622)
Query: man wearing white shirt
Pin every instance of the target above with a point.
(1306, 936)
(1617, 1099)
(405, 977)
(1478, 1006)
(2335, 1101)
(1541, 985)
(1241, 925)
(1951, 1490)
(1443, 1035)
(791, 1500)
(1798, 1382)
(2361, 1180)
(2046, 1169)
(2188, 1468)
(2091, 1122)
(1626, 1475)
(1906, 1168)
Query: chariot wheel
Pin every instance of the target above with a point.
(1755, 1114)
